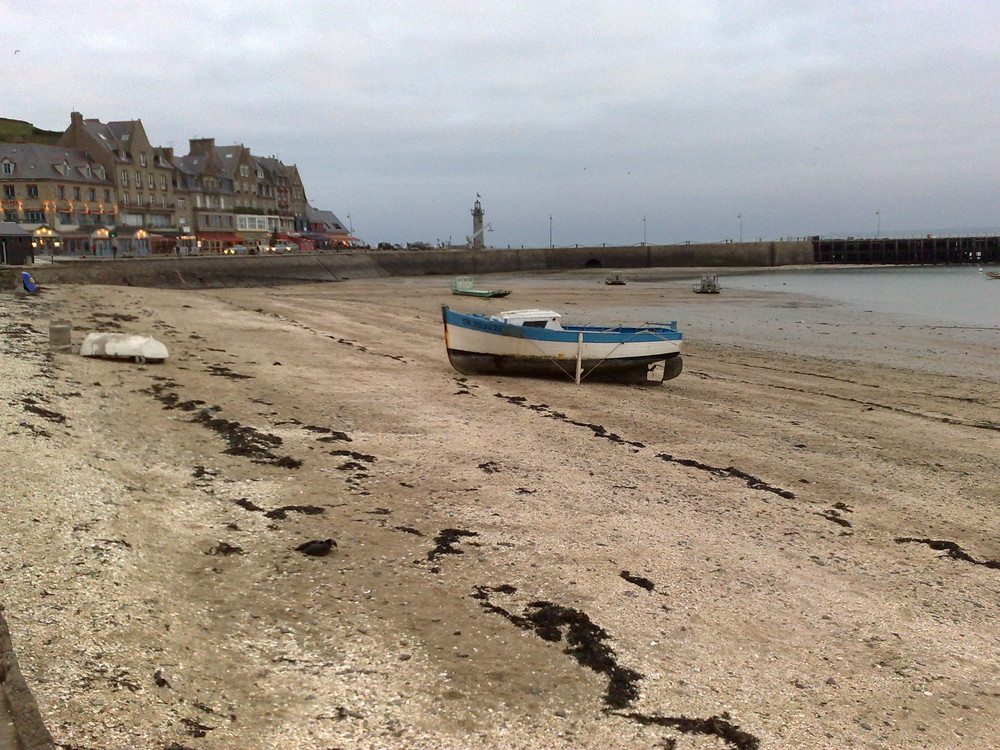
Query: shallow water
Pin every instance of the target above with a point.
(960, 295)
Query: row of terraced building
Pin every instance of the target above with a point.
(103, 189)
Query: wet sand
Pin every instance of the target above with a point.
(793, 544)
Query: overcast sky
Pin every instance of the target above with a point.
(665, 120)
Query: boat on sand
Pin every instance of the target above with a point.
(709, 285)
(535, 343)
(463, 285)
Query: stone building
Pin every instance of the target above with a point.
(105, 189)
(58, 194)
(205, 196)
(142, 175)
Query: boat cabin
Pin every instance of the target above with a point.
(530, 319)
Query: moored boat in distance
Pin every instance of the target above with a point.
(991, 274)
(535, 343)
(463, 285)
(709, 285)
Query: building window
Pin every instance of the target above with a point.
(65, 218)
(76, 193)
(107, 196)
(125, 198)
(163, 182)
(8, 191)
(34, 217)
(32, 191)
(61, 192)
(11, 216)
(8, 167)
(124, 178)
(152, 181)
(91, 194)
(138, 179)
(180, 203)
(142, 159)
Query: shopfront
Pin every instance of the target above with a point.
(215, 243)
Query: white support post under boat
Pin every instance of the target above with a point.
(579, 357)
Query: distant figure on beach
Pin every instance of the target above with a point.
(28, 283)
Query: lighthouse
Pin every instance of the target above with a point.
(476, 240)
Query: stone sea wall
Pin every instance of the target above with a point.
(256, 270)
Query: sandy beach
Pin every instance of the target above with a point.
(792, 545)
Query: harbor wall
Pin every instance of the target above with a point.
(258, 270)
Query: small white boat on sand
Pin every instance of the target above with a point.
(534, 342)
(123, 346)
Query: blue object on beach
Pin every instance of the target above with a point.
(29, 283)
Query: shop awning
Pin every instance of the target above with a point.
(219, 236)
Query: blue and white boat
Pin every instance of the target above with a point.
(534, 342)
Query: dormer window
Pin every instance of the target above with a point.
(8, 166)
(142, 159)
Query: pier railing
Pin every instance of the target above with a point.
(929, 250)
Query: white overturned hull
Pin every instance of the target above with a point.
(123, 346)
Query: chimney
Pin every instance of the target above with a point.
(201, 146)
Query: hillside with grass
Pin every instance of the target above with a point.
(19, 131)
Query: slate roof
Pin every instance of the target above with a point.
(10, 229)
(115, 135)
(328, 218)
(34, 161)
(228, 157)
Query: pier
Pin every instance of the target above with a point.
(908, 251)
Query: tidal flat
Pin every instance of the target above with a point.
(793, 544)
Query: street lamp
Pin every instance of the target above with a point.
(878, 224)
(643, 230)
(350, 224)
(550, 231)
(740, 217)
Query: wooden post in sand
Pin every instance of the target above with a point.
(579, 357)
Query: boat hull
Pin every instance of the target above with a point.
(481, 292)
(477, 345)
(635, 370)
